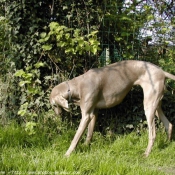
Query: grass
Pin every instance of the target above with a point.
(119, 155)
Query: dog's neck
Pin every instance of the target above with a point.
(69, 92)
(72, 95)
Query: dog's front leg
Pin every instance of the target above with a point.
(91, 126)
(83, 124)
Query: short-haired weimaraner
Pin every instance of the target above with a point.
(106, 87)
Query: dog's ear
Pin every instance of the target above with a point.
(63, 102)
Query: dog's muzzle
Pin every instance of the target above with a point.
(57, 110)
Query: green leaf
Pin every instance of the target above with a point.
(53, 25)
(23, 109)
(69, 50)
(58, 37)
(34, 115)
(27, 76)
(22, 83)
(150, 17)
(125, 18)
(19, 73)
(93, 33)
(81, 43)
(91, 40)
(30, 128)
(67, 36)
(87, 48)
(38, 81)
(39, 64)
(118, 38)
(46, 38)
(41, 40)
(43, 34)
(124, 34)
(30, 124)
(22, 112)
(94, 49)
(62, 44)
(47, 47)
(61, 28)
(76, 33)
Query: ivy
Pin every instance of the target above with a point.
(69, 41)
(31, 92)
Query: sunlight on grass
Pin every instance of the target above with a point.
(122, 155)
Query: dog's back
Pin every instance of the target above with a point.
(111, 83)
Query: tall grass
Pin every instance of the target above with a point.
(119, 155)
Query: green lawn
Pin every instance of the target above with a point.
(43, 153)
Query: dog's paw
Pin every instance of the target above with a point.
(67, 155)
(146, 154)
(170, 130)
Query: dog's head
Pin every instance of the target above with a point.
(59, 103)
(58, 99)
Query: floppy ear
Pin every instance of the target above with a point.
(63, 102)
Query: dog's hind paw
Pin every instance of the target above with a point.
(170, 129)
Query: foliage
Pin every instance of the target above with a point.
(4, 45)
(122, 24)
(44, 43)
(32, 97)
(62, 42)
(8, 95)
(24, 53)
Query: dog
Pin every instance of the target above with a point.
(106, 87)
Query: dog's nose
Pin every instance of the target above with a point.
(57, 110)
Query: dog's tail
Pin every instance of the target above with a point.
(168, 75)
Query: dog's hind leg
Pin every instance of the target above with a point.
(150, 112)
(91, 126)
(152, 97)
(165, 121)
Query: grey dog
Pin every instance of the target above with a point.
(106, 87)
